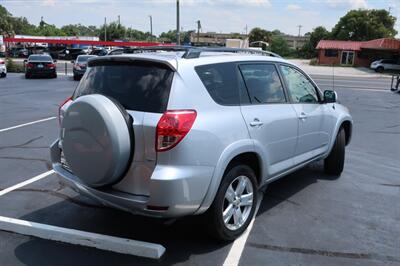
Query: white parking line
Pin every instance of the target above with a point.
(27, 124)
(82, 238)
(76, 237)
(26, 182)
(238, 245)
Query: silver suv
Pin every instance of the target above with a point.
(176, 133)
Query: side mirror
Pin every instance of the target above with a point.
(26, 60)
(55, 60)
(73, 62)
(330, 96)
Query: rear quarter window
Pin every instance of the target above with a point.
(137, 86)
(221, 82)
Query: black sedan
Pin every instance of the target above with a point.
(40, 66)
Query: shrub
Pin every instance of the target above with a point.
(14, 67)
(313, 62)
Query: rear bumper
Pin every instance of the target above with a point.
(78, 72)
(46, 72)
(181, 189)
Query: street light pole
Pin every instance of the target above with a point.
(105, 29)
(178, 34)
(151, 28)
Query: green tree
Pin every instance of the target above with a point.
(170, 36)
(115, 31)
(365, 25)
(319, 33)
(45, 29)
(22, 26)
(80, 30)
(258, 34)
(279, 45)
(5, 22)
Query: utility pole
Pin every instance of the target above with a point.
(105, 29)
(299, 26)
(178, 34)
(390, 9)
(246, 29)
(198, 32)
(119, 20)
(151, 27)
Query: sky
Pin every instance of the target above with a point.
(215, 15)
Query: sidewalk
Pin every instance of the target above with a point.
(338, 70)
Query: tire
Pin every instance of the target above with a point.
(380, 69)
(76, 78)
(27, 76)
(216, 225)
(334, 163)
(54, 76)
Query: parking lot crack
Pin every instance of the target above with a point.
(24, 145)
(326, 253)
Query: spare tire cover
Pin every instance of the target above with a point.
(96, 140)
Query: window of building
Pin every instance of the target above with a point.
(331, 53)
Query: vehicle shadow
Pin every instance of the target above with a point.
(184, 239)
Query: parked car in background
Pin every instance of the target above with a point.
(79, 65)
(70, 53)
(99, 52)
(40, 66)
(385, 65)
(3, 68)
(18, 52)
(119, 51)
(177, 133)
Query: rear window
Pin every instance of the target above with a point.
(221, 82)
(40, 58)
(84, 58)
(139, 86)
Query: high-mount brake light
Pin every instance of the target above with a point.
(173, 127)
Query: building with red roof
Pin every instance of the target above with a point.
(357, 53)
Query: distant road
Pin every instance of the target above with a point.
(327, 82)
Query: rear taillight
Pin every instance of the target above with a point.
(173, 127)
(29, 65)
(51, 65)
(60, 108)
(2, 63)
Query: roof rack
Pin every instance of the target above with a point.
(195, 52)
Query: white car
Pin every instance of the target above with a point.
(385, 64)
(3, 68)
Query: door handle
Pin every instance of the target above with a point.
(302, 116)
(256, 123)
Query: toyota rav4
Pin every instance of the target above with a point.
(195, 131)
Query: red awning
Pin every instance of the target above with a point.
(378, 44)
(382, 44)
(339, 45)
(83, 42)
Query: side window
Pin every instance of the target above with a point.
(300, 88)
(263, 83)
(221, 82)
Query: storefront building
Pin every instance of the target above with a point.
(331, 52)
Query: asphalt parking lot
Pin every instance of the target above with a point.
(306, 218)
